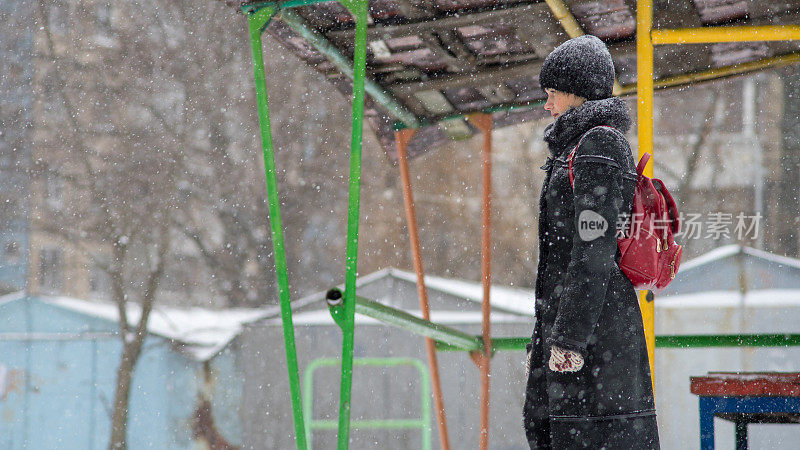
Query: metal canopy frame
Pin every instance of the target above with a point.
(432, 63)
(258, 20)
(344, 305)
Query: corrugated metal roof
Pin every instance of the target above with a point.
(442, 58)
(735, 267)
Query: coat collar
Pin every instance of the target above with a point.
(574, 122)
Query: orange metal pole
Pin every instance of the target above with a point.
(484, 123)
(402, 138)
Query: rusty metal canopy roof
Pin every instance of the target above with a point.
(441, 59)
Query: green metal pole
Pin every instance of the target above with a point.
(258, 21)
(728, 340)
(255, 6)
(341, 62)
(454, 339)
(446, 342)
(359, 9)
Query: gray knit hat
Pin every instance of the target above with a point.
(580, 66)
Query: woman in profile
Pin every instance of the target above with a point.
(589, 380)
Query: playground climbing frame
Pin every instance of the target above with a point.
(344, 305)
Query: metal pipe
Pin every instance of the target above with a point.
(255, 6)
(729, 340)
(748, 125)
(708, 35)
(722, 72)
(565, 18)
(486, 269)
(573, 29)
(644, 92)
(402, 138)
(401, 319)
(669, 341)
(359, 9)
(341, 62)
(257, 23)
(484, 123)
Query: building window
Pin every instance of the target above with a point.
(53, 190)
(8, 206)
(58, 17)
(99, 281)
(50, 269)
(104, 14)
(11, 253)
(182, 276)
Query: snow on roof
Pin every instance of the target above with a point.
(510, 299)
(763, 298)
(323, 317)
(14, 296)
(785, 260)
(732, 249)
(202, 332)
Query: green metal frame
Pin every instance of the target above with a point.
(359, 9)
(343, 64)
(456, 339)
(423, 423)
(451, 339)
(404, 118)
(666, 341)
(259, 17)
(258, 21)
(728, 340)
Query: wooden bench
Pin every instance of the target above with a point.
(744, 398)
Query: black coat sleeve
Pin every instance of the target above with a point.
(598, 200)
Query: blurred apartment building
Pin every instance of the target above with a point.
(718, 148)
(16, 130)
(37, 252)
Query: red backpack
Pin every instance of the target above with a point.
(650, 255)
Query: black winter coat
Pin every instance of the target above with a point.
(583, 300)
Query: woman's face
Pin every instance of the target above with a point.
(558, 102)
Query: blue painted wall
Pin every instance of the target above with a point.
(57, 388)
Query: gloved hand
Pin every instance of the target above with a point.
(528, 360)
(562, 360)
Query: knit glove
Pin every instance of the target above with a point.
(528, 361)
(562, 360)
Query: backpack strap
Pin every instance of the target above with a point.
(571, 157)
(672, 210)
(642, 163)
(572, 153)
(639, 168)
